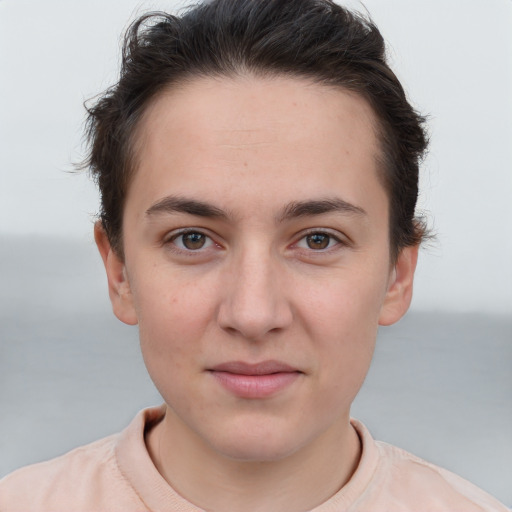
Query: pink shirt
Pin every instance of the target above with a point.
(116, 474)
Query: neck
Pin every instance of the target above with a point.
(210, 480)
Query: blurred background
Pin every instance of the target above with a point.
(441, 382)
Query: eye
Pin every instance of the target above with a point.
(318, 241)
(191, 241)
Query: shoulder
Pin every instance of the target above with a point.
(425, 486)
(390, 479)
(82, 479)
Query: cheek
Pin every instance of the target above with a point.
(343, 320)
(172, 315)
(167, 298)
(169, 330)
(347, 332)
(347, 302)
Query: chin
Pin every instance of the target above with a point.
(258, 443)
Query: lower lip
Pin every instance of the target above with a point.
(255, 386)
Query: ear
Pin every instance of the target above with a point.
(399, 294)
(118, 285)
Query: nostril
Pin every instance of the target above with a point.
(253, 304)
(230, 330)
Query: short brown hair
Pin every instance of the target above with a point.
(315, 39)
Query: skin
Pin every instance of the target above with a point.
(254, 283)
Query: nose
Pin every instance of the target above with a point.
(255, 297)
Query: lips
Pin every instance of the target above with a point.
(260, 380)
(263, 368)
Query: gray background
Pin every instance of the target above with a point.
(440, 385)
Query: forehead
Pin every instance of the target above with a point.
(244, 107)
(269, 133)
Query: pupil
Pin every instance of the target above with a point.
(193, 240)
(318, 241)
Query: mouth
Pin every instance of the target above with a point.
(260, 380)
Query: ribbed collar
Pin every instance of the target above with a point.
(158, 496)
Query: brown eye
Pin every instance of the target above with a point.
(189, 241)
(318, 241)
(193, 241)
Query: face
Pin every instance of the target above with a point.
(257, 260)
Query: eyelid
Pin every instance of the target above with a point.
(341, 239)
(171, 236)
(175, 233)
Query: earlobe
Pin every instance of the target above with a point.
(118, 283)
(399, 294)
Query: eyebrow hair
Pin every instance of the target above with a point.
(318, 207)
(176, 204)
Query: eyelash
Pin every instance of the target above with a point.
(331, 236)
(170, 242)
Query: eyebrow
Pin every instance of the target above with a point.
(295, 209)
(318, 207)
(175, 204)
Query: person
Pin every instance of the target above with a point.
(258, 168)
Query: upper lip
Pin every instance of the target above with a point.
(262, 368)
